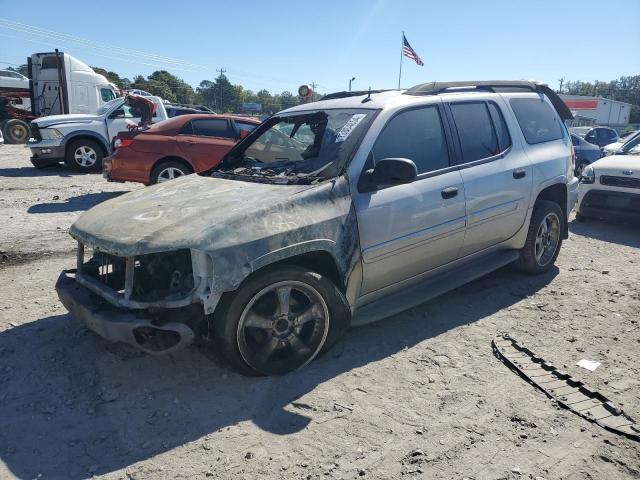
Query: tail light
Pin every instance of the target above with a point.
(573, 158)
(122, 142)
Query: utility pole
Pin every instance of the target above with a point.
(313, 91)
(351, 80)
(222, 72)
(561, 82)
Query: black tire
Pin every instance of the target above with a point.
(169, 165)
(16, 131)
(581, 218)
(528, 261)
(227, 334)
(84, 155)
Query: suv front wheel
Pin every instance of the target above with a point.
(544, 238)
(280, 320)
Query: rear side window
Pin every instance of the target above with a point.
(211, 128)
(537, 120)
(478, 137)
(245, 127)
(417, 135)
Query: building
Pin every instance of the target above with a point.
(597, 110)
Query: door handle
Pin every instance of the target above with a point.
(519, 173)
(449, 192)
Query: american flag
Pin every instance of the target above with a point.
(410, 52)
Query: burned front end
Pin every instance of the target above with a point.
(150, 301)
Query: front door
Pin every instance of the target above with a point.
(497, 175)
(406, 230)
(120, 119)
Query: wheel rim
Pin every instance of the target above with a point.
(18, 132)
(85, 156)
(169, 173)
(547, 239)
(283, 327)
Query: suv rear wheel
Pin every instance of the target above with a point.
(84, 155)
(280, 320)
(544, 238)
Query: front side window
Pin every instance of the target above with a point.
(478, 138)
(537, 120)
(417, 135)
(107, 94)
(211, 128)
(302, 147)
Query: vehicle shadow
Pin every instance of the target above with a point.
(74, 204)
(621, 233)
(52, 171)
(73, 405)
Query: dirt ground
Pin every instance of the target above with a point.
(419, 395)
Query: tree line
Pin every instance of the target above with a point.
(219, 94)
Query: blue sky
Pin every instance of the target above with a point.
(279, 45)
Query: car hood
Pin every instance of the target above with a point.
(612, 147)
(202, 213)
(53, 120)
(615, 164)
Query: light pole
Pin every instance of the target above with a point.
(351, 80)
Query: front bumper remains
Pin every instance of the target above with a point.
(614, 205)
(45, 153)
(135, 328)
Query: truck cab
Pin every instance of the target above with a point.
(63, 84)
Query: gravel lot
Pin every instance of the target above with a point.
(419, 395)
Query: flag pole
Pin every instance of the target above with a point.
(401, 48)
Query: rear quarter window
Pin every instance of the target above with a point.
(538, 121)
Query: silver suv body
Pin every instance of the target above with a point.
(369, 204)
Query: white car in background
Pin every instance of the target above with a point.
(610, 188)
(632, 138)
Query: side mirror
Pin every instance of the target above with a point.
(117, 113)
(389, 172)
(243, 134)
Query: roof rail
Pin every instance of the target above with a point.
(355, 93)
(434, 88)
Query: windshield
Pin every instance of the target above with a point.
(631, 143)
(107, 106)
(299, 147)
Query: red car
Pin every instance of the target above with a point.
(175, 147)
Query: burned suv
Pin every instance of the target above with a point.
(330, 214)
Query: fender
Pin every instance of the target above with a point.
(87, 133)
(322, 245)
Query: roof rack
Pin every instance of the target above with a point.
(355, 93)
(434, 88)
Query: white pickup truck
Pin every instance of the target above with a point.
(83, 140)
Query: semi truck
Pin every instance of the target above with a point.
(58, 84)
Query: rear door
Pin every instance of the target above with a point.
(205, 141)
(496, 173)
(406, 230)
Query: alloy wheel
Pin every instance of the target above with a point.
(169, 173)
(283, 327)
(85, 156)
(547, 239)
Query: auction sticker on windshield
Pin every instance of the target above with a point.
(348, 127)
